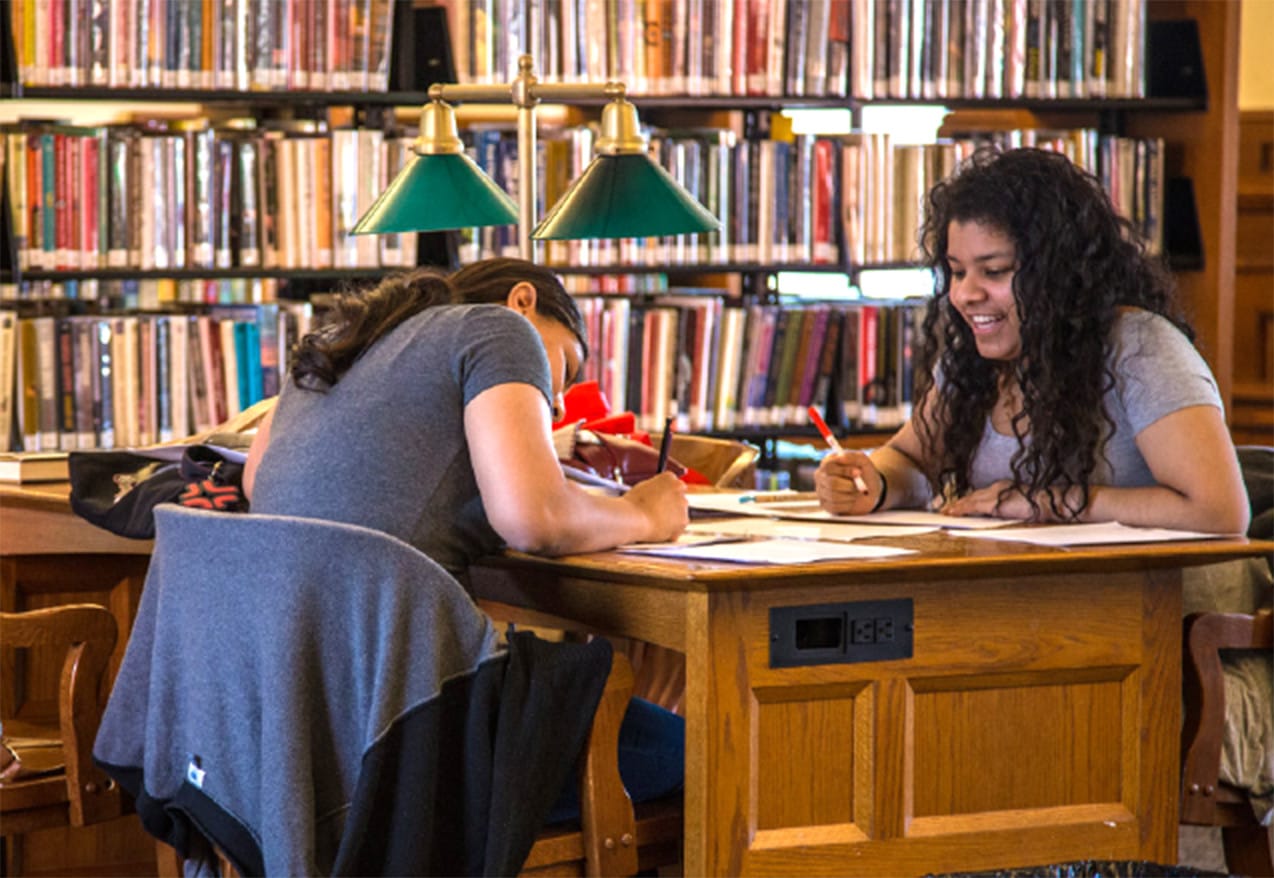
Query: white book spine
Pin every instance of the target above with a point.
(230, 366)
(8, 376)
(179, 374)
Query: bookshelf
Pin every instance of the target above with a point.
(1187, 105)
(181, 231)
(1183, 113)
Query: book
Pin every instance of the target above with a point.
(21, 467)
(8, 374)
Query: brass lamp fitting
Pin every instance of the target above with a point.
(438, 132)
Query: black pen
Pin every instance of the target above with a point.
(664, 445)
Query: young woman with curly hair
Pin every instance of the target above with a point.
(1055, 380)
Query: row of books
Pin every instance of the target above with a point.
(207, 197)
(883, 184)
(105, 381)
(867, 49)
(191, 195)
(852, 200)
(714, 366)
(933, 49)
(243, 45)
(145, 294)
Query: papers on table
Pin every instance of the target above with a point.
(686, 540)
(768, 551)
(1100, 534)
(745, 503)
(804, 507)
(918, 518)
(755, 540)
(832, 531)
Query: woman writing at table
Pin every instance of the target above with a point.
(423, 410)
(1055, 382)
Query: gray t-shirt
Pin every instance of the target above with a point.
(385, 447)
(1157, 372)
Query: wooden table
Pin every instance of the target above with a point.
(1036, 720)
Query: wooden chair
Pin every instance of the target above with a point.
(612, 838)
(59, 784)
(1205, 800)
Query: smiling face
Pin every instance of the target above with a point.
(982, 261)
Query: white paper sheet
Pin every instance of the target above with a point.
(1099, 534)
(776, 551)
(835, 531)
(802, 508)
(688, 538)
(743, 503)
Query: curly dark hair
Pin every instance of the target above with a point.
(1078, 263)
(360, 319)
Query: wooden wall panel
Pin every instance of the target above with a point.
(825, 730)
(999, 749)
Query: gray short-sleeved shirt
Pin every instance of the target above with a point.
(385, 447)
(1157, 372)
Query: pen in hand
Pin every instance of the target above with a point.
(664, 444)
(826, 433)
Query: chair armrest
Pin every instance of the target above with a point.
(1205, 635)
(606, 811)
(88, 633)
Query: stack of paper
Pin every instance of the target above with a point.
(768, 551)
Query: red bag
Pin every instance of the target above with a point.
(618, 458)
(609, 445)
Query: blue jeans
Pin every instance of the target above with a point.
(652, 758)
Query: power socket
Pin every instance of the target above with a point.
(864, 631)
(885, 630)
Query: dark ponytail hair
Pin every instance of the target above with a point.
(359, 319)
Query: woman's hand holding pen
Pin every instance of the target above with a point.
(840, 479)
(662, 500)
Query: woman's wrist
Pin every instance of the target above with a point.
(884, 492)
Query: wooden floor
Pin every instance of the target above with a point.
(55, 852)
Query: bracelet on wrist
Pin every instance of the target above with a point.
(884, 492)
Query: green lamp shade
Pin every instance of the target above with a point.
(624, 196)
(436, 192)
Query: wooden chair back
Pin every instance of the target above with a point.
(1205, 799)
(59, 785)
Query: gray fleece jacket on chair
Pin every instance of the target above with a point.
(321, 698)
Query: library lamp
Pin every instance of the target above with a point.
(622, 193)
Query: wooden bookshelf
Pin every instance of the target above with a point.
(1204, 149)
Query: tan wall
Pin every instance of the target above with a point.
(1256, 74)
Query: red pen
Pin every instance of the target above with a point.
(826, 432)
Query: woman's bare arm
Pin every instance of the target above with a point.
(533, 506)
(1199, 486)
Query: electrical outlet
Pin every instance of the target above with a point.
(884, 630)
(841, 633)
(864, 631)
